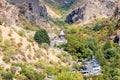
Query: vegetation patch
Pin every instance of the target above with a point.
(1, 21)
(22, 33)
(41, 36)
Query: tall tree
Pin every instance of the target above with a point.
(41, 36)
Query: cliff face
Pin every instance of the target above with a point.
(8, 13)
(31, 9)
(90, 10)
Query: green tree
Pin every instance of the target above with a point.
(100, 56)
(115, 72)
(41, 36)
(116, 78)
(91, 44)
(111, 52)
(107, 45)
(75, 45)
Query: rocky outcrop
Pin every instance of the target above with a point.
(117, 37)
(9, 14)
(90, 10)
(31, 9)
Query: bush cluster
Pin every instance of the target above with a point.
(41, 36)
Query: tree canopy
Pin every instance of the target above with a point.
(41, 36)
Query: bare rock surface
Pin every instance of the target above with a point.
(90, 10)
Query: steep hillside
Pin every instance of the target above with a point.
(19, 51)
(66, 4)
(32, 10)
(81, 12)
(90, 10)
(8, 14)
(21, 58)
(59, 6)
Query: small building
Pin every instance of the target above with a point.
(61, 39)
(91, 68)
(62, 34)
(58, 40)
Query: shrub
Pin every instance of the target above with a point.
(31, 38)
(118, 24)
(6, 59)
(40, 64)
(1, 21)
(24, 59)
(41, 36)
(64, 68)
(27, 24)
(98, 77)
(50, 70)
(64, 54)
(17, 64)
(99, 24)
(13, 69)
(7, 43)
(45, 46)
(10, 51)
(38, 53)
(31, 74)
(20, 77)
(111, 52)
(22, 10)
(59, 56)
(68, 76)
(21, 33)
(1, 38)
(29, 56)
(74, 58)
(7, 75)
(76, 66)
(98, 27)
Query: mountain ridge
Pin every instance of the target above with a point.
(92, 10)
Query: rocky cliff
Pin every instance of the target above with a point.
(22, 49)
(31, 8)
(90, 10)
(8, 13)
